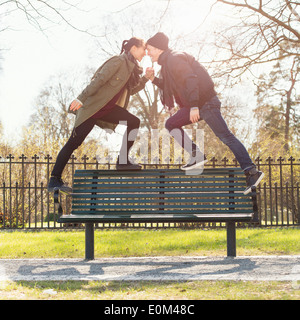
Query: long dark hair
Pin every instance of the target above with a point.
(127, 44)
(137, 71)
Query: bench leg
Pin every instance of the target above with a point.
(231, 239)
(89, 241)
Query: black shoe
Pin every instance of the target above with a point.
(253, 178)
(56, 182)
(194, 164)
(127, 166)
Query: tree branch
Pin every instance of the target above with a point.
(263, 13)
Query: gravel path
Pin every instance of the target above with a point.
(277, 268)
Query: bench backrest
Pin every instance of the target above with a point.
(160, 191)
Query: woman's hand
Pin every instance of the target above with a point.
(75, 105)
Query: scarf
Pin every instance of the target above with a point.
(167, 92)
(136, 73)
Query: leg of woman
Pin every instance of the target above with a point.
(119, 115)
(76, 139)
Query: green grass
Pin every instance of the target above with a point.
(122, 243)
(169, 242)
(148, 290)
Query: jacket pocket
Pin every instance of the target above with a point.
(115, 80)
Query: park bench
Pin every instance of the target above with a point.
(159, 196)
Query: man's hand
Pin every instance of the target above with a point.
(75, 105)
(150, 74)
(194, 115)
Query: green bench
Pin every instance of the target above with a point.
(159, 196)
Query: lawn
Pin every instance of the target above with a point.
(137, 243)
(149, 290)
(169, 242)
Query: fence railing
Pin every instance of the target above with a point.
(26, 204)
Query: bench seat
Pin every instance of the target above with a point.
(152, 217)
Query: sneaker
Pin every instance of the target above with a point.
(193, 164)
(57, 183)
(127, 166)
(253, 178)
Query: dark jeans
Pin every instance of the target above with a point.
(210, 112)
(116, 115)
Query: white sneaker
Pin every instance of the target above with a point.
(194, 164)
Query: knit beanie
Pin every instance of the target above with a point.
(159, 40)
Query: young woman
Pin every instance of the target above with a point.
(103, 102)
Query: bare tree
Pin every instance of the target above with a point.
(40, 13)
(278, 110)
(266, 31)
(50, 120)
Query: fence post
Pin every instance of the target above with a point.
(22, 192)
(291, 159)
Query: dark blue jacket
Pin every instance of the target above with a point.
(185, 79)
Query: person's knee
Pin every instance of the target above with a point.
(137, 122)
(169, 125)
(134, 123)
(227, 138)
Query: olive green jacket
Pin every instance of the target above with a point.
(108, 80)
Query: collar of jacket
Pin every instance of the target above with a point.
(163, 57)
(130, 64)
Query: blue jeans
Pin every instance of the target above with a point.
(211, 114)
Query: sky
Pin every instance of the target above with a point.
(32, 56)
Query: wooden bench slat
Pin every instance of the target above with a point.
(158, 179)
(119, 218)
(157, 206)
(110, 172)
(226, 175)
(157, 211)
(129, 190)
(176, 195)
(156, 185)
(167, 200)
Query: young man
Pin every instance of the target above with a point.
(186, 81)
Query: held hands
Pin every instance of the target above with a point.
(75, 105)
(150, 73)
(194, 115)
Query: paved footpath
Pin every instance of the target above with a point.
(277, 268)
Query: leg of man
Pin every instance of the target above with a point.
(174, 125)
(211, 113)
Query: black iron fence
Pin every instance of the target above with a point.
(26, 204)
